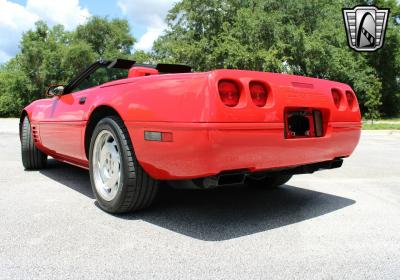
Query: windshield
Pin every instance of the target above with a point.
(101, 76)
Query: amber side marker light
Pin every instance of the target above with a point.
(158, 136)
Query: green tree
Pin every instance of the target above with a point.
(76, 58)
(108, 39)
(54, 56)
(15, 89)
(386, 61)
(299, 37)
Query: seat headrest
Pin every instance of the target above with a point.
(139, 71)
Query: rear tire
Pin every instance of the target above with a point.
(134, 189)
(270, 182)
(32, 157)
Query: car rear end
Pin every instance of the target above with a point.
(276, 120)
(251, 122)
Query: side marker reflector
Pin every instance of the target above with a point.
(166, 137)
(158, 136)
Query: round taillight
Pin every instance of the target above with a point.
(258, 93)
(350, 98)
(229, 93)
(336, 97)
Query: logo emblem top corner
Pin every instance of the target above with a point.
(365, 27)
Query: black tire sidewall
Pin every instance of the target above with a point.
(32, 157)
(110, 125)
(25, 149)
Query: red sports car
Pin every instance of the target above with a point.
(134, 126)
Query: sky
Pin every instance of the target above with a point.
(146, 18)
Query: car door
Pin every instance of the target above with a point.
(62, 126)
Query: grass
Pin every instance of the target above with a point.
(378, 126)
(384, 123)
(392, 120)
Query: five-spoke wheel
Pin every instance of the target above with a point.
(106, 165)
(118, 181)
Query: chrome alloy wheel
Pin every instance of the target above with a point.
(106, 165)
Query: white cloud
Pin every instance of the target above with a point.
(146, 41)
(149, 13)
(67, 12)
(16, 19)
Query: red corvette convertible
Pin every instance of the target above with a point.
(134, 126)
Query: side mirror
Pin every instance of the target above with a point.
(55, 90)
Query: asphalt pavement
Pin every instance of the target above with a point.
(335, 224)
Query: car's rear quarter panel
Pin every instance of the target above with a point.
(161, 98)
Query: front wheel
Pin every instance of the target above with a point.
(119, 183)
(269, 182)
(32, 157)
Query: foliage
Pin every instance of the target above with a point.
(54, 56)
(386, 61)
(15, 89)
(108, 39)
(298, 37)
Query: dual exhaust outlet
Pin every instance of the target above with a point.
(236, 177)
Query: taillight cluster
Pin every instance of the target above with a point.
(230, 92)
(258, 94)
(338, 99)
(350, 99)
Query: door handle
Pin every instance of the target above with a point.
(82, 100)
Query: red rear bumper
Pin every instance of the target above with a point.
(205, 149)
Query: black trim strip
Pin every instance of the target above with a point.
(123, 64)
(118, 63)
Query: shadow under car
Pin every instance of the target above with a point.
(217, 214)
